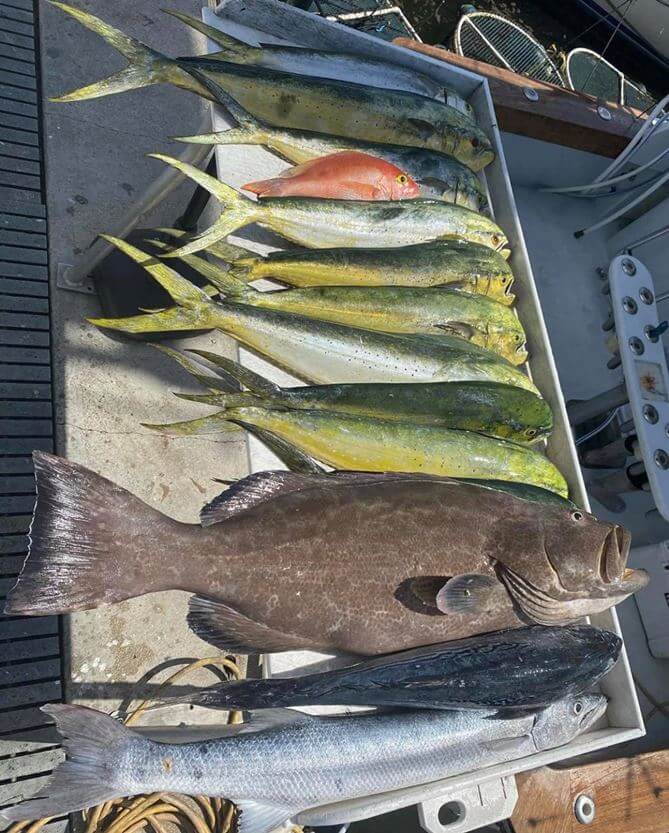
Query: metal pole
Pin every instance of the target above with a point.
(579, 412)
(76, 277)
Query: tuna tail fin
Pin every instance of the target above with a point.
(83, 526)
(146, 66)
(93, 741)
(241, 211)
(234, 50)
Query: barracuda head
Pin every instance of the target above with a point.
(563, 721)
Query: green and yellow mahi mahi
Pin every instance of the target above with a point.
(284, 99)
(321, 223)
(360, 443)
(491, 408)
(317, 351)
(458, 264)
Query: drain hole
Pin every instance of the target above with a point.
(451, 813)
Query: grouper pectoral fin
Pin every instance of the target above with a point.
(258, 817)
(230, 630)
(469, 593)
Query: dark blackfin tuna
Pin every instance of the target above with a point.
(279, 766)
(525, 668)
(345, 562)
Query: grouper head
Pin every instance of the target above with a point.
(561, 722)
(578, 564)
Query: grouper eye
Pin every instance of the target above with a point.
(577, 516)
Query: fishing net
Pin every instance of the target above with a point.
(159, 812)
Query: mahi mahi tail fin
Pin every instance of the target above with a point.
(194, 308)
(218, 423)
(240, 212)
(234, 50)
(90, 774)
(84, 527)
(248, 378)
(250, 131)
(224, 251)
(227, 284)
(146, 66)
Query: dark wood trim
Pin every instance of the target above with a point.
(561, 116)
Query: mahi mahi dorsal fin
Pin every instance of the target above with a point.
(231, 631)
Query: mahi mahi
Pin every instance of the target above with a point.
(457, 264)
(344, 562)
(502, 411)
(285, 99)
(317, 351)
(362, 443)
(321, 223)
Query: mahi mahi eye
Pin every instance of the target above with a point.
(402, 179)
(475, 142)
(578, 707)
(495, 240)
(577, 516)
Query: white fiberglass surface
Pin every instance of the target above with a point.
(574, 308)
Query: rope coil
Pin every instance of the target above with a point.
(151, 812)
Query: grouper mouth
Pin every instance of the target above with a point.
(613, 584)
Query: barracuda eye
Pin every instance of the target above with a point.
(530, 432)
(578, 708)
(577, 516)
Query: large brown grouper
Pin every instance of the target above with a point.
(347, 562)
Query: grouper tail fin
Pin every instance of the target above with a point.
(239, 210)
(89, 776)
(145, 67)
(90, 542)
